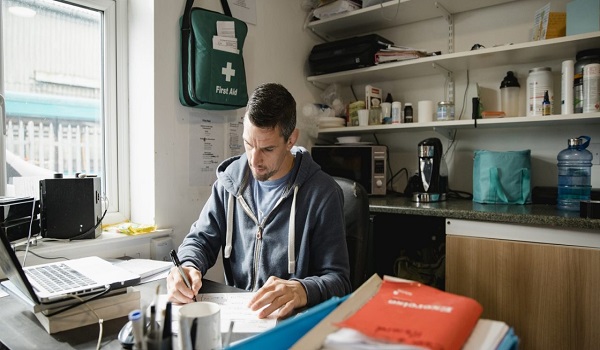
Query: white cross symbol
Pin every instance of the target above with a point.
(228, 72)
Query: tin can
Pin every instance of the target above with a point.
(591, 88)
(583, 58)
(445, 110)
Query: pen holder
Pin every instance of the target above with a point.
(153, 343)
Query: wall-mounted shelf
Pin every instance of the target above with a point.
(391, 14)
(445, 128)
(531, 52)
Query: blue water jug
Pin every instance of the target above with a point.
(574, 174)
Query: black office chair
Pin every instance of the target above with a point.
(356, 215)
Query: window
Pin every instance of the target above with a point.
(65, 93)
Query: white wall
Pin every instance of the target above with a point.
(276, 49)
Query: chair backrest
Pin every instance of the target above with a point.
(357, 218)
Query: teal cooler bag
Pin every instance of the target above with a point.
(502, 177)
(211, 78)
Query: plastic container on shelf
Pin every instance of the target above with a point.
(408, 113)
(375, 116)
(445, 110)
(509, 94)
(396, 112)
(583, 58)
(574, 174)
(538, 81)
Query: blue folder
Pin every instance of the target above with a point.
(287, 332)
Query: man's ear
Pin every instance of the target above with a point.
(293, 138)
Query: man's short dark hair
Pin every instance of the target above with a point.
(272, 105)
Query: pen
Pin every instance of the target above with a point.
(177, 264)
(137, 322)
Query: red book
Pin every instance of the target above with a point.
(409, 312)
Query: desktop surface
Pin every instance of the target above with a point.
(20, 329)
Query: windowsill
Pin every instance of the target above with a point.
(108, 245)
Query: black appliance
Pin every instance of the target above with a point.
(432, 185)
(70, 208)
(346, 54)
(16, 221)
(365, 164)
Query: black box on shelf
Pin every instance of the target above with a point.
(346, 54)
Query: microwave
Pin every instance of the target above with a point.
(365, 164)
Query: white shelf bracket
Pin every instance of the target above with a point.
(445, 132)
(449, 91)
(450, 19)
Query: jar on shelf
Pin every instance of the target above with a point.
(538, 81)
(445, 110)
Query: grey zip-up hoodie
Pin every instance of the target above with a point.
(302, 238)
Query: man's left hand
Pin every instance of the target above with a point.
(278, 294)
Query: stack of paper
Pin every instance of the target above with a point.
(336, 7)
(146, 268)
(398, 53)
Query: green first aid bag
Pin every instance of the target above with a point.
(212, 74)
(502, 177)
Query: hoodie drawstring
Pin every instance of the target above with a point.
(229, 233)
(292, 235)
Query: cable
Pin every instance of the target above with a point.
(81, 301)
(94, 227)
(46, 257)
(100, 320)
(29, 234)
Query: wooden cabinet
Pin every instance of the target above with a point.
(548, 292)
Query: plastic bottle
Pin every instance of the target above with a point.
(546, 104)
(408, 113)
(509, 95)
(396, 112)
(566, 87)
(574, 174)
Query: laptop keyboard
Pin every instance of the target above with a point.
(56, 278)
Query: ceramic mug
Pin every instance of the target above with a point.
(200, 326)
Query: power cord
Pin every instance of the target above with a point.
(81, 301)
(29, 234)
(100, 320)
(93, 228)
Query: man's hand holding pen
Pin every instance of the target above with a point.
(183, 282)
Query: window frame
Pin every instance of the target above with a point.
(115, 106)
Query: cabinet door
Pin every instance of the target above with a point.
(549, 293)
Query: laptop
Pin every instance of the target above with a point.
(43, 286)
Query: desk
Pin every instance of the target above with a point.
(19, 328)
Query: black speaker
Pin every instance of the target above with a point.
(70, 208)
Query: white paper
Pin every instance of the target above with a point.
(207, 149)
(233, 308)
(225, 44)
(226, 28)
(244, 10)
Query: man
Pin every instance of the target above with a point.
(274, 214)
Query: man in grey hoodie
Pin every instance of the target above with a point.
(277, 218)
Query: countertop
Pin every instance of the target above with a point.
(527, 214)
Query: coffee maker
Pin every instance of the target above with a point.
(433, 174)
